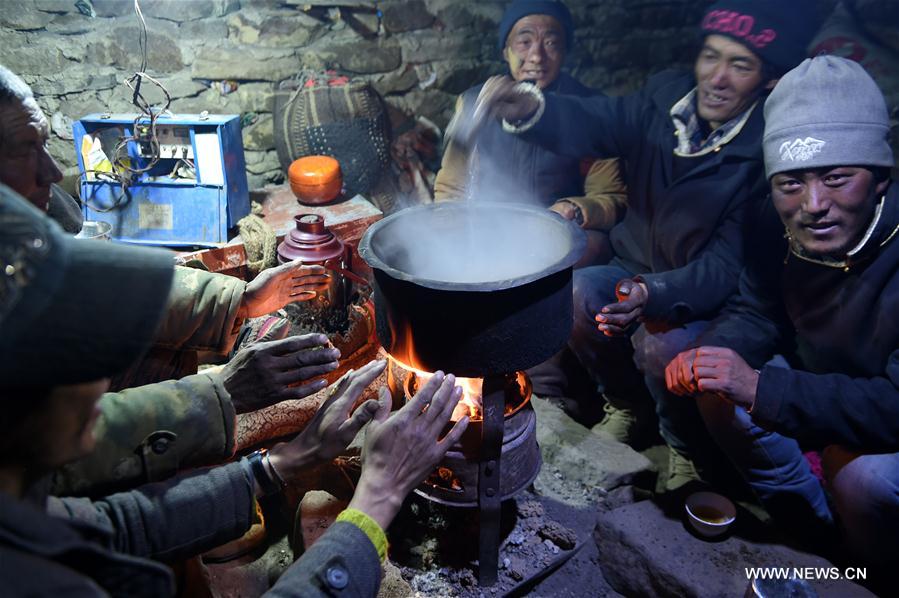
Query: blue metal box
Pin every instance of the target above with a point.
(192, 196)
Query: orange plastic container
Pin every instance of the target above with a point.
(315, 179)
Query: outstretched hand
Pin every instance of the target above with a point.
(615, 318)
(713, 369)
(334, 425)
(275, 287)
(265, 373)
(401, 450)
(502, 97)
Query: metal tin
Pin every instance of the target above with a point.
(313, 243)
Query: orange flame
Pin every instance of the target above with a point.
(470, 404)
(403, 353)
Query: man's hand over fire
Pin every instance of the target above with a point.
(615, 318)
(401, 450)
(275, 287)
(265, 373)
(716, 370)
(334, 425)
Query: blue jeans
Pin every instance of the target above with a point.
(630, 370)
(680, 424)
(865, 491)
(864, 487)
(772, 464)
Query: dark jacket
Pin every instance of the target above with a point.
(846, 390)
(684, 235)
(75, 547)
(505, 166)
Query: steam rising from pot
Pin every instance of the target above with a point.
(471, 242)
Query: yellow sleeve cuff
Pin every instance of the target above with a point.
(369, 526)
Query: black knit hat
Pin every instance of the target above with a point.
(777, 31)
(522, 8)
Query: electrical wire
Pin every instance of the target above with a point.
(143, 128)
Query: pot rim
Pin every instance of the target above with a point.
(577, 236)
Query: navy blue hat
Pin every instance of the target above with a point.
(522, 8)
(778, 32)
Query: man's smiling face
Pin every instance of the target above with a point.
(535, 49)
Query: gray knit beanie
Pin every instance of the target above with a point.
(826, 112)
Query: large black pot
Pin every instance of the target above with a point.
(472, 288)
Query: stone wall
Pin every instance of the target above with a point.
(420, 54)
(423, 53)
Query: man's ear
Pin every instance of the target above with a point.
(771, 83)
(882, 186)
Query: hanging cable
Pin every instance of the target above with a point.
(143, 131)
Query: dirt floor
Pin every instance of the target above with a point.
(436, 548)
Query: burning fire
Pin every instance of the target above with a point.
(469, 405)
(403, 353)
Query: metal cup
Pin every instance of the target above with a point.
(100, 231)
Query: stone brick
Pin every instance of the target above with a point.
(359, 56)
(61, 125)
(117, 100)
(430, 45)
(75, 79)
(24, 18)
(570, 452)
(458, 78)
(49, 104)
(483, 17)
(259, 162)
(254, 64)
(432, 104)
(78, 105)
(120, 48)
(192, 33)
(179, 11)
(646, 551)
(33, 60)
(406, 16)
(273, 28)
(181, 85)
(63, 151)
(255, 97)
(251, 97)
(114, 8)
(9, 40)
(57, 6)
(399, 81)
(71, 24)
(248, 97)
